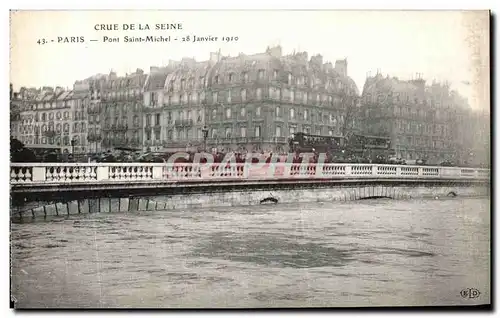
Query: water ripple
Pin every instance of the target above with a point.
(369, 253)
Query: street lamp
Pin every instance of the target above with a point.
(205, 135)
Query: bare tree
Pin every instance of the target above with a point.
(350, 113)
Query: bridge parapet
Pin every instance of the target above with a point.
(32, 174)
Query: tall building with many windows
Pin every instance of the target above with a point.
(121, 115)
(248, 102)
(423, 121)
(47, 119)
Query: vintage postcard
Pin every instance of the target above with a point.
(249, 159)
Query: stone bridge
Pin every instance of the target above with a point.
(47, 189)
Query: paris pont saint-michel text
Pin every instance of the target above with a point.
(167, 37)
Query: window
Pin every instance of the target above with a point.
(330, 132)
(292, 96)
(243, 95)
(275, 74)
(157, 135)
(304, 98)
(245, 77)
(289, 78)
(257, 131)
(292, 130)
(216, 79)
(189, 115)
(189, 98)
(214, 97)
(66, 115)
(157, 120)
(169, 135)
(148, 135)
(58, 115)
(66, 127)
(258, 93)
(260, 74)
(278, 111)
(278, 131)
(228, 113)
(305, 114)
(229, 96)
(230, 77)
(199, 118)
(243, 112)
(214, 133)
(257, 111)
(181, 99)
(214, 114)
(292, 113)
(228, 132)
(243, 131)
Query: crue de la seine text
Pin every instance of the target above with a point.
(133, 26)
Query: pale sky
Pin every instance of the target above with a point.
(399, 43)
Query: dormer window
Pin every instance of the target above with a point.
(230, 77)
(216, 79)
(245, 77)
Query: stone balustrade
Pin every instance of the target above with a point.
(26, 174)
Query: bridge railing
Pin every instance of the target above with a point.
(58, 173)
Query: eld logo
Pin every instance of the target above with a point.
(470, 293)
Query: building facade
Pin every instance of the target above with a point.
(47, 119)
(16, 104)
(423, 121)
(120, 108)
(249, 102)
(87, 94)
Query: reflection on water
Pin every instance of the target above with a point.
(366, 253)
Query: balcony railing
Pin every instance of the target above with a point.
(93, 110)
(28, 174)
(94, 137)
(121, 127)
(183, 122)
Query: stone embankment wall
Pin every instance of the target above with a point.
(241, 198)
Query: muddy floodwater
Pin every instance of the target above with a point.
(363, 253)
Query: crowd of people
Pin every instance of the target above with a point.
(21, 154)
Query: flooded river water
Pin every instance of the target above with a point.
(362, 253)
